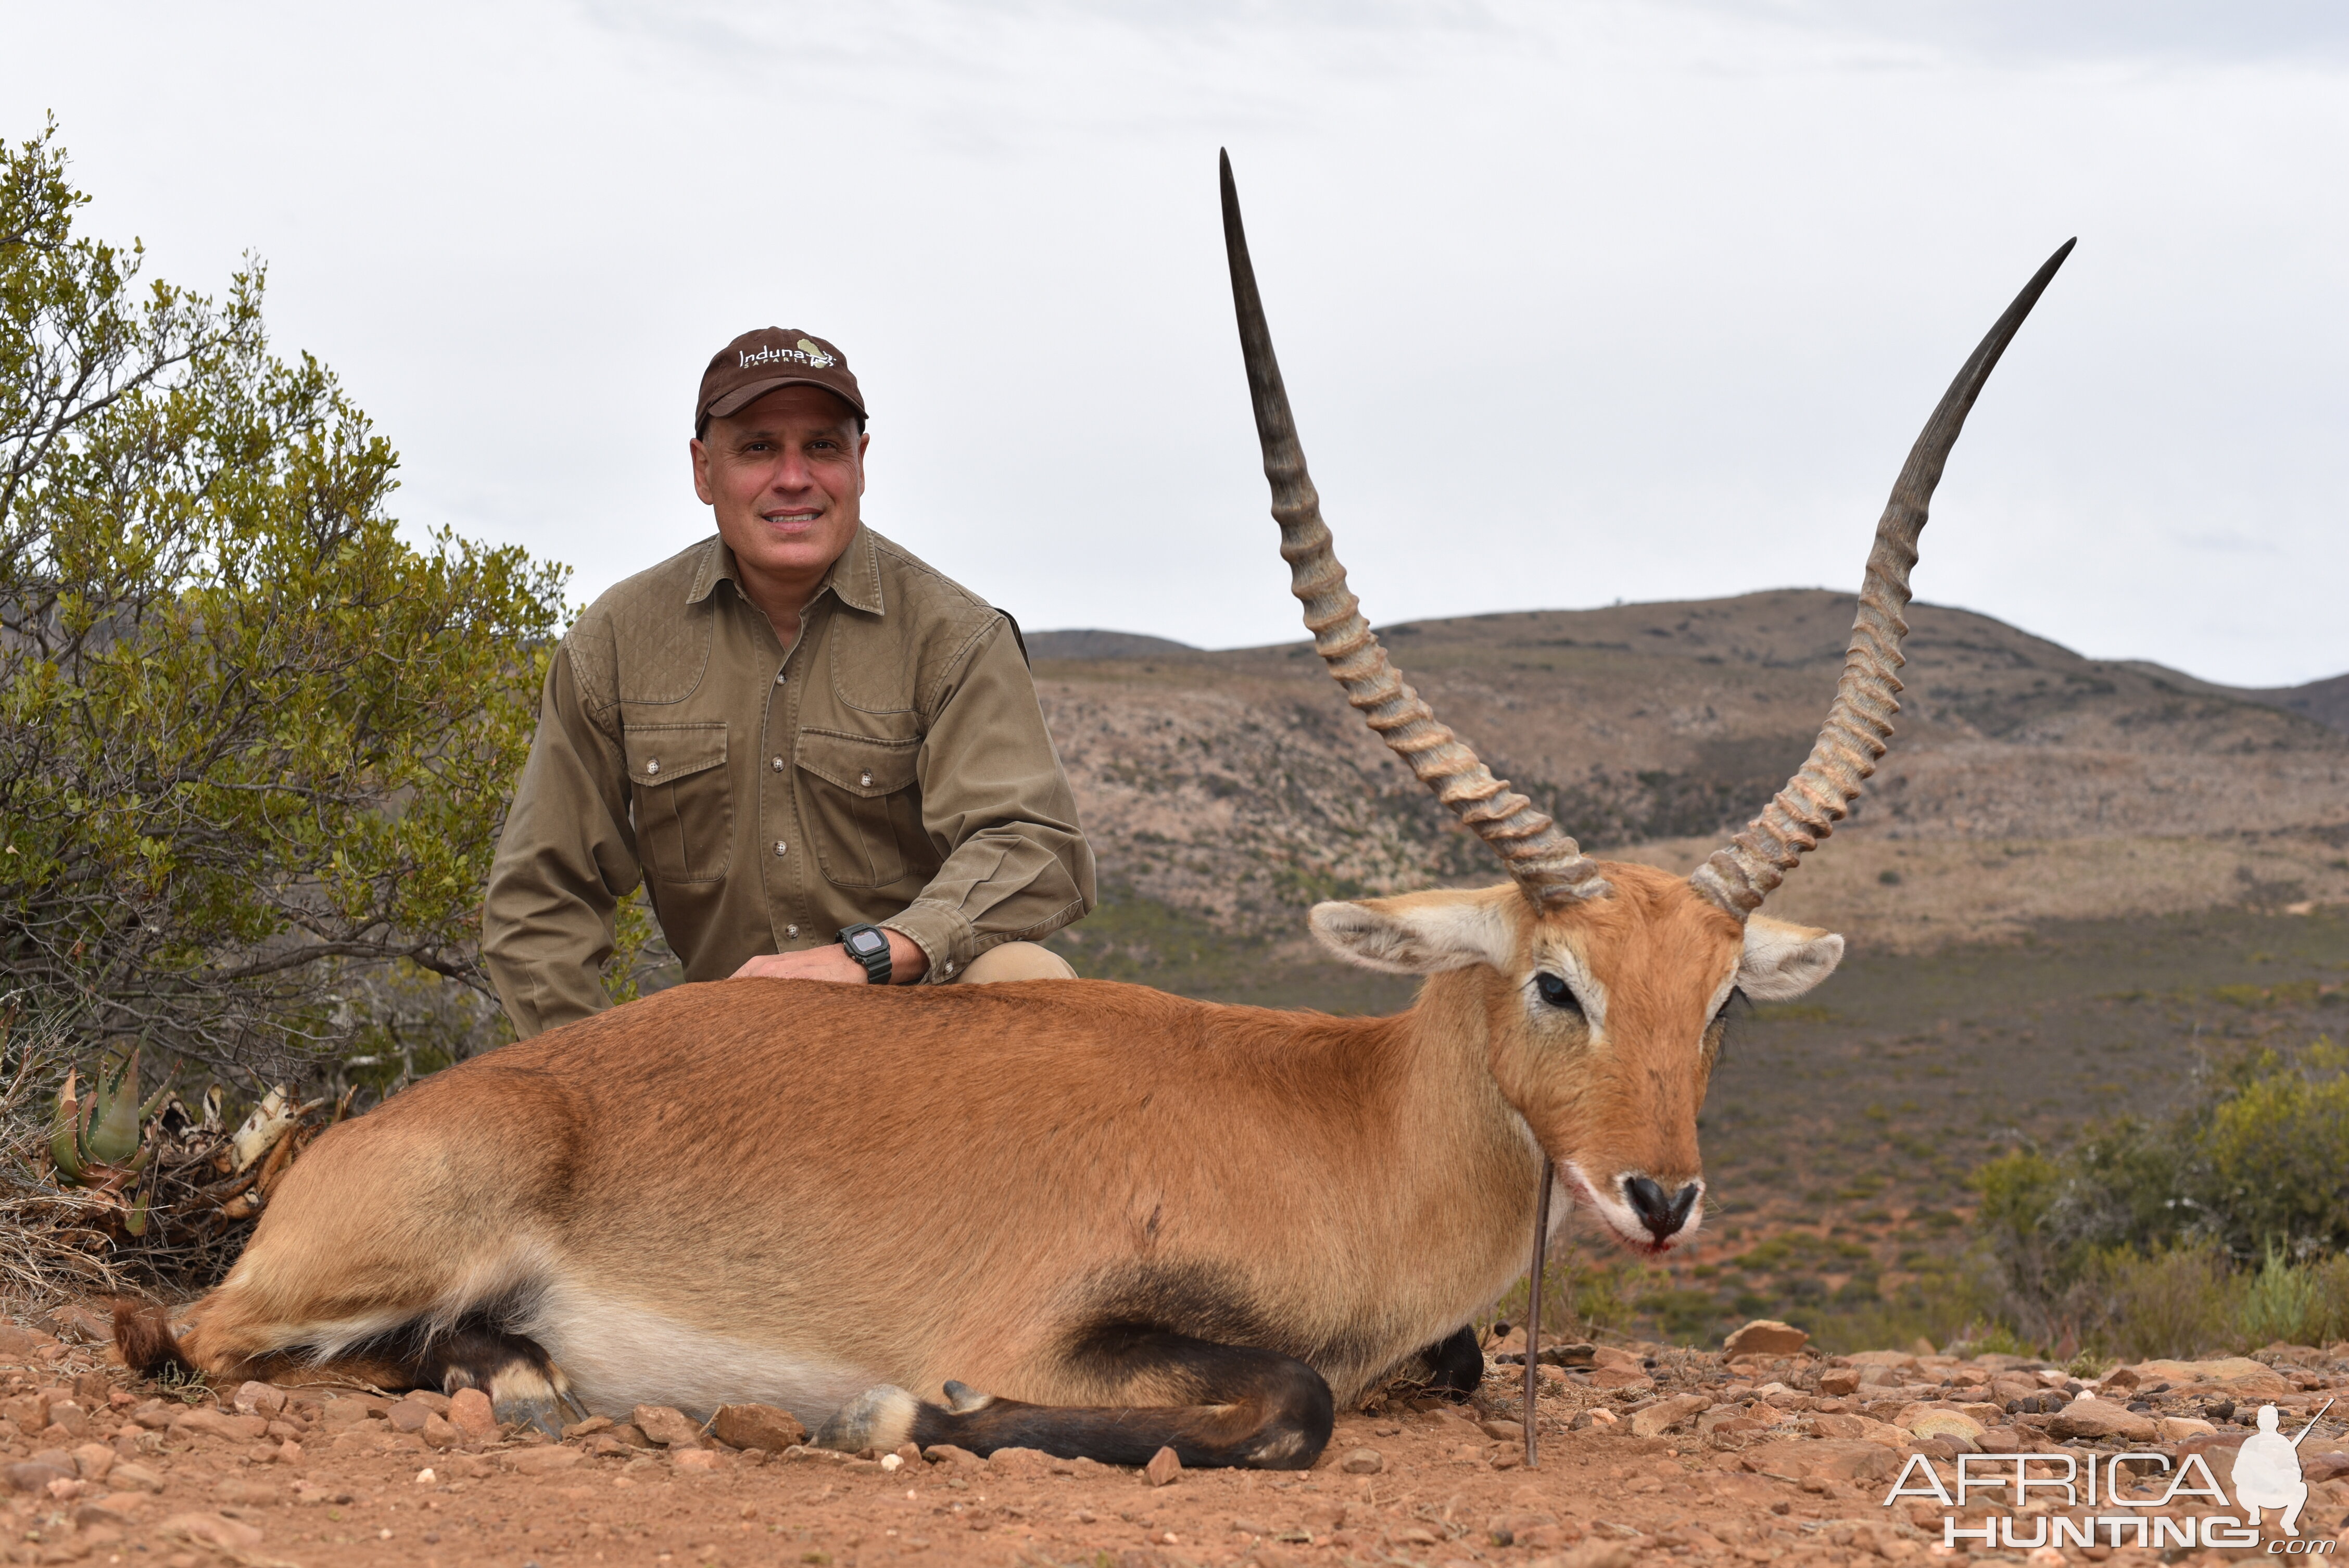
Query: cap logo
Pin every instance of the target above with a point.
(806, 353)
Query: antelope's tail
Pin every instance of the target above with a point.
(145, 1337)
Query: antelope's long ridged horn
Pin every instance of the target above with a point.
(1548, 866)
(1740, 877)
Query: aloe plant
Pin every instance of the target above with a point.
(99, 1140)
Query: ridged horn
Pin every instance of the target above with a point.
(1740, 877)
(1548, 866)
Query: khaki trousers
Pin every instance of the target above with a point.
(1016, 961)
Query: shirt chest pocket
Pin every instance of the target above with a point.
(862, 807)
(682, 798)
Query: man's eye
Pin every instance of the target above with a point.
(1556, 992)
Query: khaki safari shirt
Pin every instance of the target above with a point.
(892, 765)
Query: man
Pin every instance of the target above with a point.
(794, 733)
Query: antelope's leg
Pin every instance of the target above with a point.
(1455, 1366)
(524, 1386)
(1212, 1404)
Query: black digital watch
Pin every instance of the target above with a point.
(869, 945)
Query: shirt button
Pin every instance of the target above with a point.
(865, 779)
(949, 965)
(779, 677)
(790, 930)
(776, 763)
(652, 765)
(782, 847)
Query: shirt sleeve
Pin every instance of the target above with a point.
(997, 805)
(567, 857)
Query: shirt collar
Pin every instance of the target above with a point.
(855, 579)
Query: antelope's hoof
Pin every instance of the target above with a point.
(522, 1396)
(880, 1418)
(962, 1398)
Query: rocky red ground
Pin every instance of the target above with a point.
(1649, 1454)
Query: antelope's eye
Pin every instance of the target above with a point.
(1556, 992)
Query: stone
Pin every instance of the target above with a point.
(590, 1426)
(1623, 1380)
(258, 1400)
(2178, 1429)
(702, 1461)
(212, 1530)
(1163, 1470)
(116, 1508)
(439, 1433)
(1953, 1426)
(1827, 1458)
(2239, 1374)
(1503, 1431)
(236, 1490)
(288, 1452)
(34, 1476)
(72, 1417)
(1839, 1382)
(546, 1460)
(93, 1461)
(220, 1424)
(671, 1428)
(133, 1475)
(2087, 1417)
(471, 1413)
(1766, 1337)
(1592, 1554)
(2324, 1466)
(948, 1454)
(409, 1416)
(15, 1341)
(766, 1427)
(1020, 1463)
(1665, 1414)
(1361, 1461)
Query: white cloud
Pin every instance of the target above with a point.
(1576, 300)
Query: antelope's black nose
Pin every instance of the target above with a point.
(1661, 1215)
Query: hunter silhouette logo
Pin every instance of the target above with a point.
(2266, 1474)
(2267, 1471)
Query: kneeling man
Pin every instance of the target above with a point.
(824, 759)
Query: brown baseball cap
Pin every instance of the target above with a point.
(758, 362)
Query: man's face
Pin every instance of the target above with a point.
(785, 477)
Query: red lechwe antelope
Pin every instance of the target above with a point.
(1134, 1220)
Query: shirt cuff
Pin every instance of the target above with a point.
(943, 933)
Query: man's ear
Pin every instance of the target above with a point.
(1420, 932)
(1783, 961)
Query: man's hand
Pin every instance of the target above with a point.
(906, 963)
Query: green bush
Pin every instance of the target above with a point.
(2278, 1154)
(254, 745)
(2221, 1226)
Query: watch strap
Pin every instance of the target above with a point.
(877, 965)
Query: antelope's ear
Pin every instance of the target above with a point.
(1783, 961)
(1421, 933)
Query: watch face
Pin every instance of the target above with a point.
(868, 942)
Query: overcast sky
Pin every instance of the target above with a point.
(1577, 302)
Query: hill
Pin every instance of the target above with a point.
(2025, 780)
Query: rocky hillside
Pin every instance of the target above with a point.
(1238, 786)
